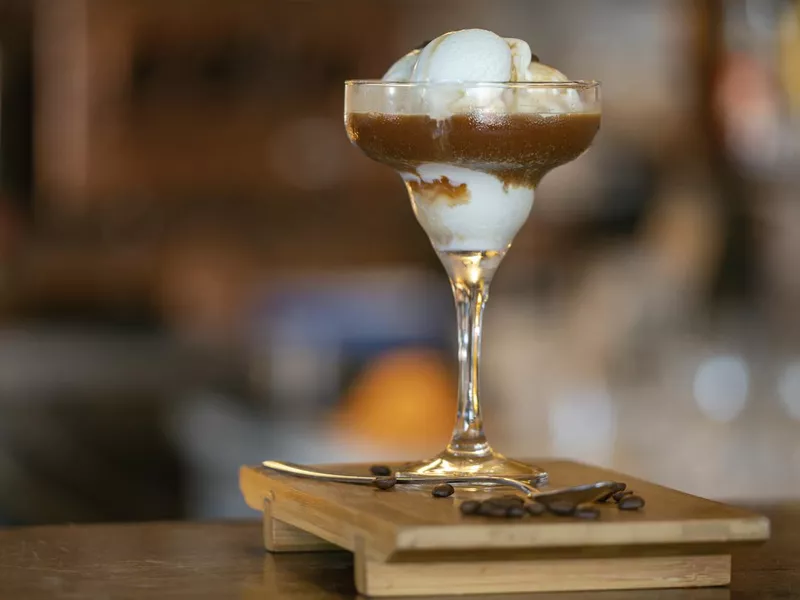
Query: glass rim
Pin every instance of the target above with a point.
(572, 84)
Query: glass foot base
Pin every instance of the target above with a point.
(447, 464)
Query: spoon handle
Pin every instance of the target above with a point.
(577, 493)
(299, 471)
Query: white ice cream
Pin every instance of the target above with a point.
(467, 55)
(491, 215)
(403, 68)
(487, 220)
(477, 55)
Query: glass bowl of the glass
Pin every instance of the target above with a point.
(471, 156)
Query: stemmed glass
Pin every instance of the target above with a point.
(471, 156)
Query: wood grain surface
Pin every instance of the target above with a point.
(281, 537)
(496, 577)
(407, 543)
(221, 561)
(407, 519)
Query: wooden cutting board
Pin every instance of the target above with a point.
(407, 543)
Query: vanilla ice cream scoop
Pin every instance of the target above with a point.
(537, 71)
(402, 69)
(520, 59)
(478, 55)
(469, 55)
(466, 55)
(472, 55)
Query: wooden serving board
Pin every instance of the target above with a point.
(407, 543)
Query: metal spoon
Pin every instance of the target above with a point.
(576, 494)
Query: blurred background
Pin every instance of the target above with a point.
(197, 271)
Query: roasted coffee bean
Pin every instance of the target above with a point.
(617, 496)
(513, 498)
(380, 470)
(443, 490)
(587, 511)
(619, 486)
(535, 58)
(469, 507)
(487, 509)
(631, 502)
(562, 508)
(515, 512)
(385, 483)
(535, 508)
(504, 502)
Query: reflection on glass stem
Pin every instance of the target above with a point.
(468, 452)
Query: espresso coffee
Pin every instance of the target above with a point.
(517, 148)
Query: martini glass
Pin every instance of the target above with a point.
(471, 156)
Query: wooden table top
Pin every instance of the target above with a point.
(227, 560)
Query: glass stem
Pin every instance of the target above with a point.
(470, 276)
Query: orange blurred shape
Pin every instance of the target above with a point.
(405, 397)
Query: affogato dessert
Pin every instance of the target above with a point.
(472, 122)
(472, 152)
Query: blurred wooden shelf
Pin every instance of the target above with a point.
(141, 98)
